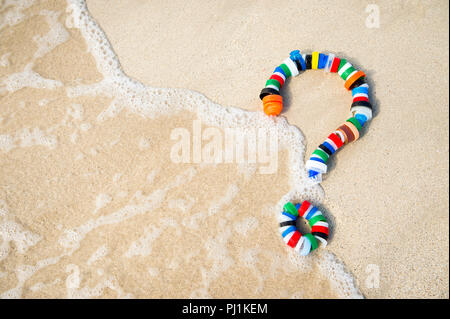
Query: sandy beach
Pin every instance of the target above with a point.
(91, 205)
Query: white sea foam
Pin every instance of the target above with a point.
(76, 111)
(56, 36)
(45, 43)
(12, 231)
(126, 93)
(26, 138)
(116, 177)
(144, 143)
(27, 78)
(23, 273)
(217, 253)
(101, 252)
(246, 225)
(101, 201)
(74, 137)
(152, 271)
(40, 285)
(181, 204)
(151, 176)
(143, 246)
(4, 59)
(226, 199)
(75, 292)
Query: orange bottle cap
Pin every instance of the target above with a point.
(273, 104)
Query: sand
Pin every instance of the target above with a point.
(92, 208)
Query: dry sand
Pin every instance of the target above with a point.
(386, 195)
